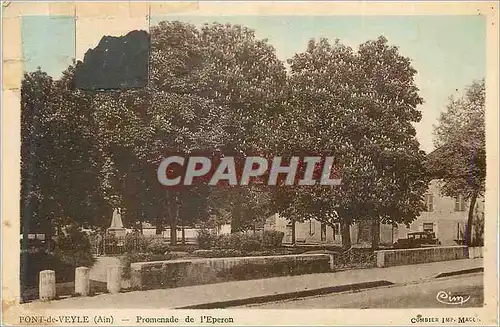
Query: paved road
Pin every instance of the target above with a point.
(416, 295)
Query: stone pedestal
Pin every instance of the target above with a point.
(117, 232)
(82, 281)
(114, 279)
(47, 285)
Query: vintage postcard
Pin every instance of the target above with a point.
(237, 163)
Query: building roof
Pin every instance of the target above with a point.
(433, 163)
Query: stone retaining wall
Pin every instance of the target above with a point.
(174, 273)
(389, 258)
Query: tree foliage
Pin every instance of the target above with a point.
(220, 91)
(59, 174)
(358, 107)
(460, 158)
(36, 90)
(210, 91)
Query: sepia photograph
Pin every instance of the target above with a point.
(171, 157)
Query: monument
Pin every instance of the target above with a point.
(116, 227)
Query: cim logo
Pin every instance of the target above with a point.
(448, 298)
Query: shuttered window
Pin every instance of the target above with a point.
(311, 227)
(428, 227)
(336, 230)
(459, 203)
(429, 202)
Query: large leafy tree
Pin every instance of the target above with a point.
(240, 74)
(36, 92)
(137, 128)
(59, 163)
(311, 124)
(209, 91)
(245, 75)
(460, 156)
(389, 100)
(358, 107)
(216, 90)
(76, 165)
(59, 172)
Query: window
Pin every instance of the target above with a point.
(429, 202)
(311, 227)
(323, 232)
(336, 230)
(460, 233)
(459, 203)
(428, 227)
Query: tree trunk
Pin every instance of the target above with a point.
(141, 223)
(173, 222)
(49, 242)
(293, 232)
(346, 234)
(235, 219)
(181, 219)
(470, 219)
(173, 232)
(159, 224)
(375, 234)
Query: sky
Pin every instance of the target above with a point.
(449, 52)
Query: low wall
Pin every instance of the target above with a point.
(175, 273)
(388, 258)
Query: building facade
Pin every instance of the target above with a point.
(445, 216)
(316, 232)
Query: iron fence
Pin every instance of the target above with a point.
(111, 244)
(355, 259)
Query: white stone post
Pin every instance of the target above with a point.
(82, 281)
(380, 259)
(472, 252)
(114, 279)
(332, 262)
(47, 285)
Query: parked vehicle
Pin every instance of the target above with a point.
(416, 240)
